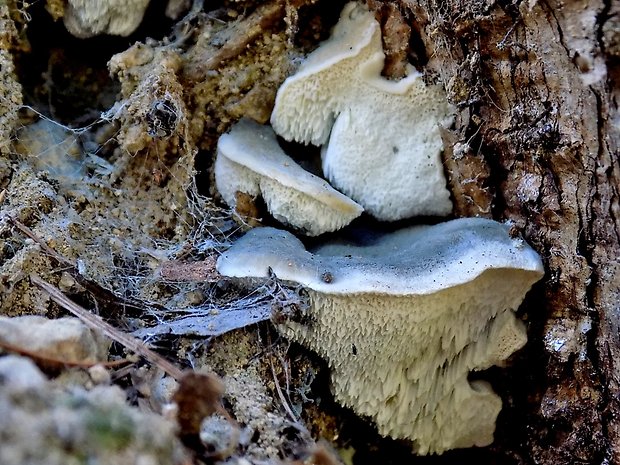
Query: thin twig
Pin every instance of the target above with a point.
(287, 408)
(26, 231)
(95, 322)
(100, 293)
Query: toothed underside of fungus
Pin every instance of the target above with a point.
(403, 321)
(383, 142)
(249, 160)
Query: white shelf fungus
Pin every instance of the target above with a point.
(384, 148)
(249, 160)
(88, 18)
(403, 321)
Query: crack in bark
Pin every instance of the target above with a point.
(604, 355)
(601, 19)
(550, 11)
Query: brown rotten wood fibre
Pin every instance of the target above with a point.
(396, 32)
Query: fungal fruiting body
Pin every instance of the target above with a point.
(403, 321)
(249, 160)
(382, 137)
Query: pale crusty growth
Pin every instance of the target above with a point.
(88, 18)
(249, 160)
(403, 321)
(384, 148)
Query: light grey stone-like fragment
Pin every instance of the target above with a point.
(18, 374)
(88, 18)
(66, 339)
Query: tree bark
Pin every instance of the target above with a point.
(536, 143)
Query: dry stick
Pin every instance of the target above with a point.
(287, 408)
(131, 343)
(98, 291)
(26, 231)
(95, 322)
(285, 404)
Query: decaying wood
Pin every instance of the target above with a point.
(396, 32)
(535, 141)
(535, 84)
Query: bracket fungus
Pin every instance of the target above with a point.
(384, 142)
(404, 320)
(249, 160)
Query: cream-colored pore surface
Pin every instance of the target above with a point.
(404, 361)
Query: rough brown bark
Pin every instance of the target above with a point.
(536, 142)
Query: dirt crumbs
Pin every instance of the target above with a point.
(266, 431)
